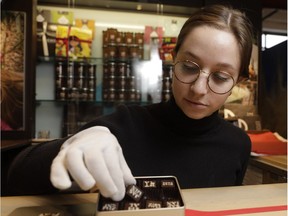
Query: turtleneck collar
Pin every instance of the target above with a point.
(180, 123)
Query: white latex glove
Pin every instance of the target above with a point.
(92, 156)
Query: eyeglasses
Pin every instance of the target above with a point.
(188, 72)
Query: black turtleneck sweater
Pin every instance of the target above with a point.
(158, 139)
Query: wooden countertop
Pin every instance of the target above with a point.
(272, 163)
(268, 199)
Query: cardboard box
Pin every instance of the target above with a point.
(86, 24)
(156, 195)
(46, 33)
(73, 42)
(62, 17)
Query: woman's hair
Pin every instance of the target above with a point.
(227, 19)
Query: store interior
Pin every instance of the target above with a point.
(64, 89)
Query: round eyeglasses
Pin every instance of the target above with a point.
(219, 82)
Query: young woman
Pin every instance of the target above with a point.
(184, 137)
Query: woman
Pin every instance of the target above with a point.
(184, 137)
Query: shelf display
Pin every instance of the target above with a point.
(75, 81)
(124, 70)
(120, 82)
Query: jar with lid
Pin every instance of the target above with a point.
(120, 95)
(121, 82)
(60, 81)
(79, 69)
(166, 95)
(73, 94)
(129, 37)
(131, 95)
(105, 37)
(61, 93)
(70, 69)
(105, 51)
(111, 95)
(140, 52)
(133, 50)
(112, 50)
(119, 37)
(111, 68)
(166, 83)
(91, 94)
(139, 38)
(122, 50)
(112, 34)
(92, 70)
(84, 94)
(121, 69)
(59, 69)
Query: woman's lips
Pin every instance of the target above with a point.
(196, 104)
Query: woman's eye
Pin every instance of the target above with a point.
(190, 69)
(221, 77)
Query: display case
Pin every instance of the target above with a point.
(129, 49)
(129, 62)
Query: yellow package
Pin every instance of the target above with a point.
(86, 24)
(73, 42)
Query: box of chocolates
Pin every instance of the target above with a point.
(157, 195)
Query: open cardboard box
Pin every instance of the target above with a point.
(159, 196)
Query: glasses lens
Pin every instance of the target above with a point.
(186, 71)
(220, 82)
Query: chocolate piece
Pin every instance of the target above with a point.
(153, 204)
(172, 203)
(134, 192)
(132, 206)
(112, 206)
(167, 183)
(149, 184)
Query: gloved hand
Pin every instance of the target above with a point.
(92, 156)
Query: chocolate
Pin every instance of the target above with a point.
(110, 206)
(167, 183)
(149, 184)
(172, 203)
(132, 206)
(134, 192)
(148, 193)
(153, 204)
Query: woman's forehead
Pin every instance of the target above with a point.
(209, 44)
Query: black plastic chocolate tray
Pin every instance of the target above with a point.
(148, 193)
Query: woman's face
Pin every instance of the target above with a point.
(213, 50)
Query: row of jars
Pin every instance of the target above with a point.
(123, 95)
(75, 81)
(120, 82)
(167, 82)
(123, 51)
(112, 35)
(77, 94)
(75, 69)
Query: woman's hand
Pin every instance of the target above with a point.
(93, 156)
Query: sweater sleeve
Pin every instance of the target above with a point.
(29, 172)
(245, 159)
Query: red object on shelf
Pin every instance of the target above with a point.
(267, 143)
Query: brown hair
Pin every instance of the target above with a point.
(223, 18)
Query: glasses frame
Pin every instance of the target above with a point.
(200, 70)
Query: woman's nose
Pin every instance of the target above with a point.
(199, 86)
